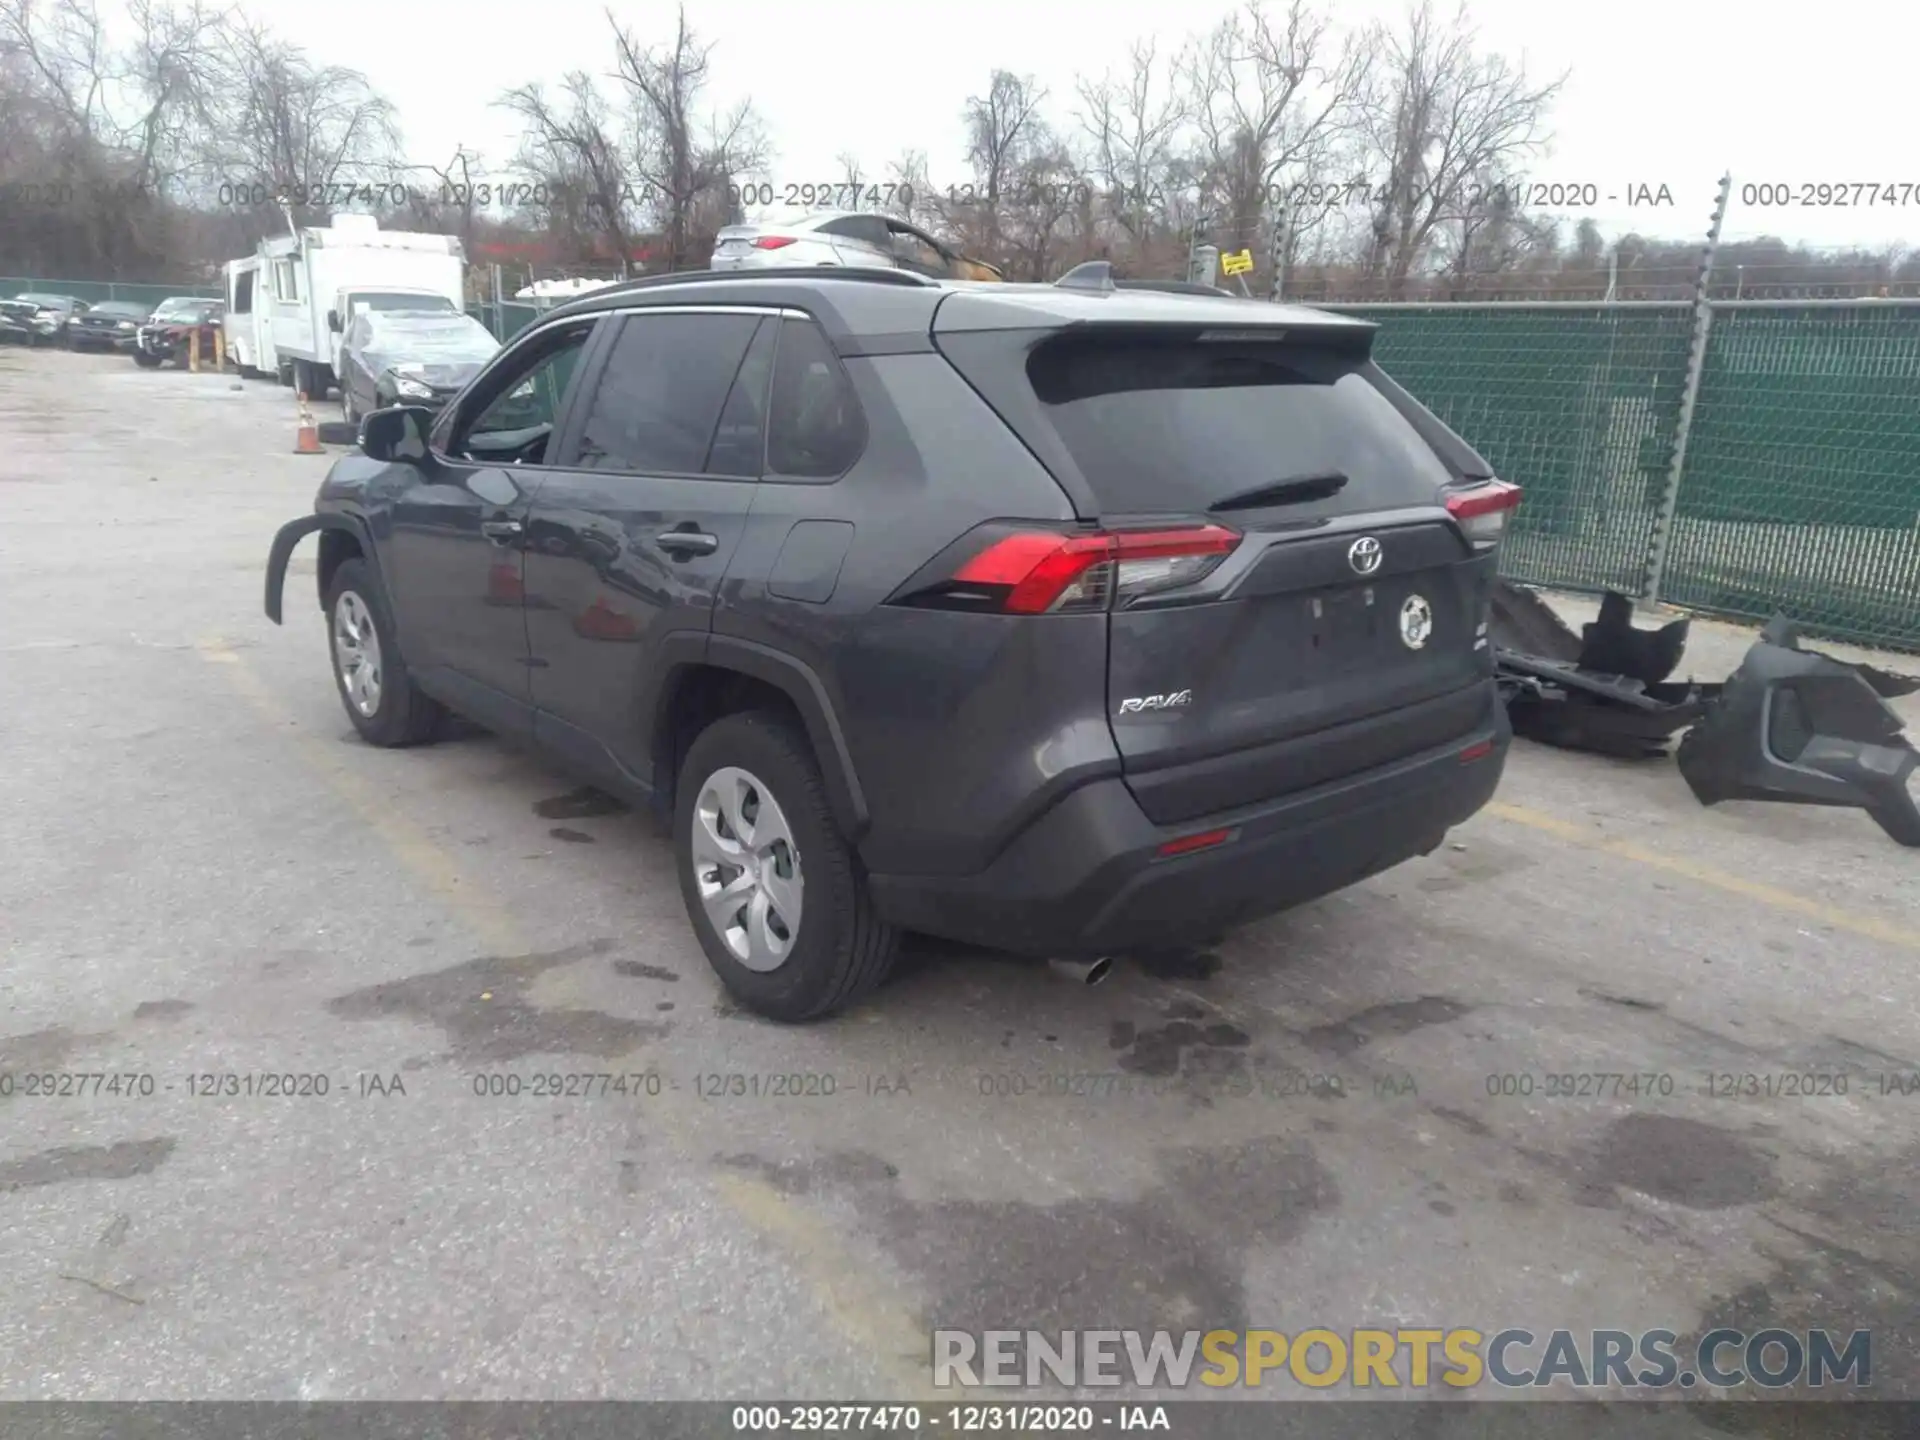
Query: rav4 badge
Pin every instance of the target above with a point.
(1416, 622)
(1156, 702)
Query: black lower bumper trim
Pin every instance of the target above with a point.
(1087, 877)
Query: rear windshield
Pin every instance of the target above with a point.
(1159, 425)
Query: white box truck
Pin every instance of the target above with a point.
(309, 283)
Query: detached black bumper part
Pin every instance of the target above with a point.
(1799, 727)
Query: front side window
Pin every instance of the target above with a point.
(510, 416)
(659, 398)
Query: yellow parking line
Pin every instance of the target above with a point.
(1870, 926)
(863, 1307)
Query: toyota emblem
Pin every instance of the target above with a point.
(1364, 555)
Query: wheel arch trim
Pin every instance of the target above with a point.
(289, 537)
(801, 685)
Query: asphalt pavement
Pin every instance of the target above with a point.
(1323, 1123)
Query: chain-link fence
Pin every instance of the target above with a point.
(1800, 489)
(94, 291)
(1576, 402)
(505, 319)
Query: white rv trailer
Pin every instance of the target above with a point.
(302, 289)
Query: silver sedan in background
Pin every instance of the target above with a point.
(844, 237)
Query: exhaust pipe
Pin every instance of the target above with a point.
(1083, 972)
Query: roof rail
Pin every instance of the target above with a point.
(870, 275)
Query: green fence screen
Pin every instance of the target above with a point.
(1801, 487)
(94, 291)
(506, 319)
(1577, 404)
(1802, 483)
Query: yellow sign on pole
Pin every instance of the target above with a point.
(1239, 262)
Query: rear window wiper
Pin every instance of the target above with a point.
(1292, 491)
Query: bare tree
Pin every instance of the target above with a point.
(1441, 117)
(1274, 100)
(578, 168)
(686, 164)
(290, 128)
(908, 191)
(1134, 126)
(1004, 129)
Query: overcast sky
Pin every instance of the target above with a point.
(1666, 92)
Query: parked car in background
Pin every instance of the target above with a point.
(42, 319)
(349, 302)
(110, 325)
(409, 357)
(1061, 619)
(167, 334)
(844, 237)
(16, 321)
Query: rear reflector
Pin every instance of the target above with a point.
(772, 242)
(1043, 571)
(1482, 511)
(1205, 840)
(1476, 752)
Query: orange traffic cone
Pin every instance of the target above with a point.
(307, 440)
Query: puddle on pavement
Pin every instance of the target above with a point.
(482, 1007)
(1169, 1258)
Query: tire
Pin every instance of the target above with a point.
(283, 372)
(145, 360)
(839, 949)
(400, 713)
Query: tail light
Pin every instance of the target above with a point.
(1482, 511)
(1037, 572)
(772, 242)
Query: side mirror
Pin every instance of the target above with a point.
(333, 321)
(398, 432)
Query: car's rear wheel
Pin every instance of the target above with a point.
(381, 700)
(777, 897)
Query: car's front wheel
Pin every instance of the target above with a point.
(777, 897)
(146, 360)
(382, 701)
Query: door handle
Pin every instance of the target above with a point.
(502, 532)
(684, 543)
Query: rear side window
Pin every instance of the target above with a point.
(740, 443)
(1178, 425)
(659, 397)
(815, 430)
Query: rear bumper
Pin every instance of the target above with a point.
(1086, 878)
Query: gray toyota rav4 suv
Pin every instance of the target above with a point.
(1062, 619)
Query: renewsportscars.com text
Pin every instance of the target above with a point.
(1410, 1358)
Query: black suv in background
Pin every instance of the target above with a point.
(1063, 619)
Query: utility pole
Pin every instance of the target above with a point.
(1696, 359)
(1194, 237)
(1281, 238)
